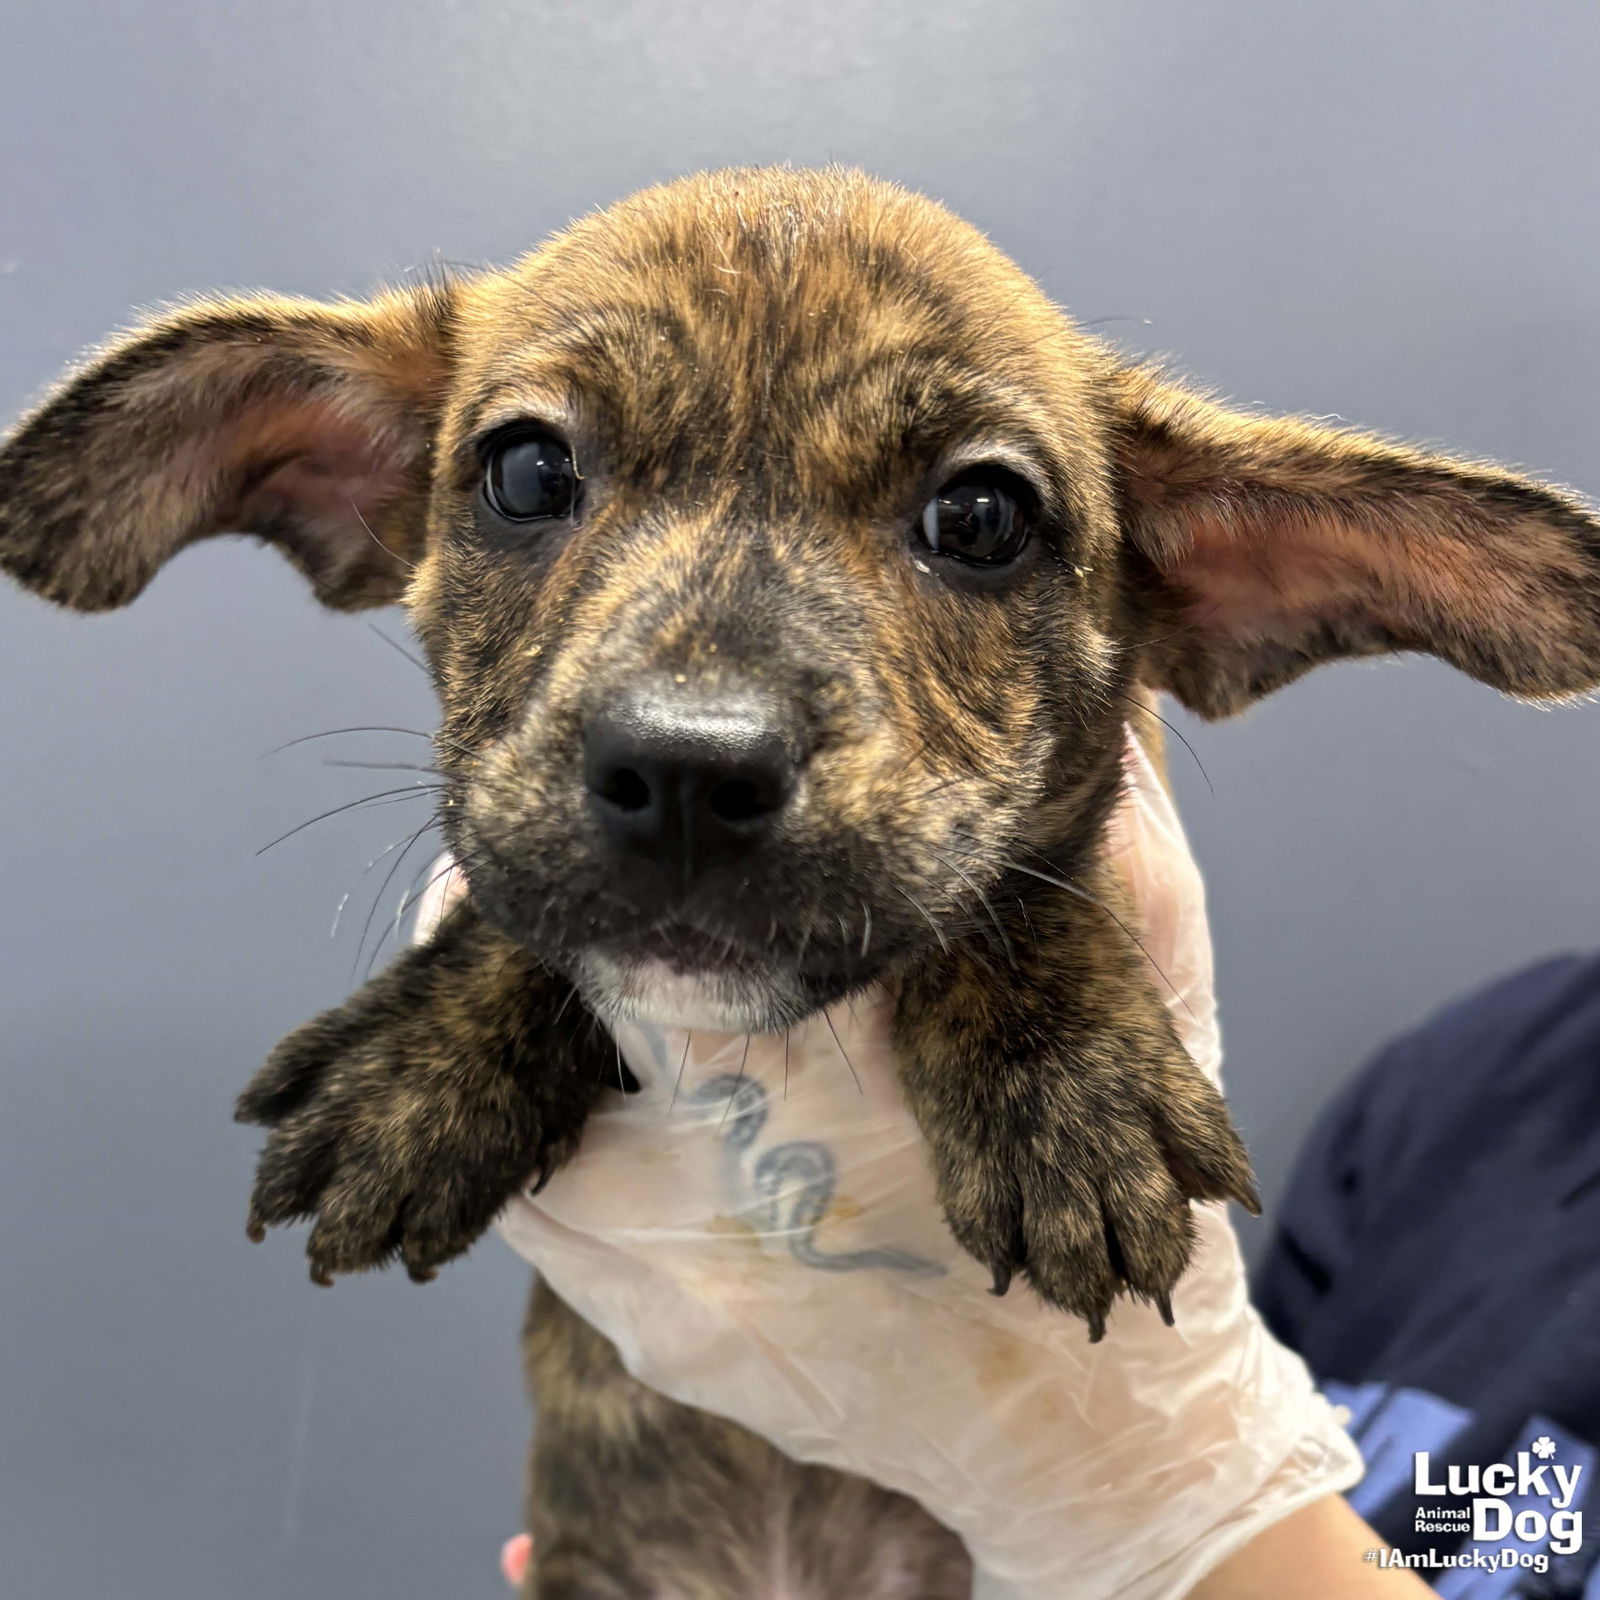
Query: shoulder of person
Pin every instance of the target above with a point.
(1456, 1079)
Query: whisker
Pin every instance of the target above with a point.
(333, 931)
(678, 1083)
(1192, 626)
(911, 760)
(1027, 921)
(413, 896)
(413, 791)
(333, 733)
(1151, 711)
(600, 1063)
(938, 788)
(1100, 905)
(988, 905)
(383, 889)
(400, 649)
(845, 1053)
(384, 766)
(383, 938)
(927, 917)
(415, 733)
(444, 872)
(395, 554)
(734, 1091)
(440, 269)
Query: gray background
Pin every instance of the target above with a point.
(1385, 211)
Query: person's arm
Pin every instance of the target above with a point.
(1321, 1552)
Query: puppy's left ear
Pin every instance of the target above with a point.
(306, 424)
(1265, 545)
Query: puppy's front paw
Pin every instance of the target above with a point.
(404, 1120)
(391, 1162)
(1085, 1191)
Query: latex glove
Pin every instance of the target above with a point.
(756, 1231)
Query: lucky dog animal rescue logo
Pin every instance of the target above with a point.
(1502, 1508)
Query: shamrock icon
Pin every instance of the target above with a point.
(1544, 1447)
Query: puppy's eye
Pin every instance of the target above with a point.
(980, 517)
(529, 476)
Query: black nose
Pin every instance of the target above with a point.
(687, 779)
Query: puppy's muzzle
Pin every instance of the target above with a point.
(687, 779)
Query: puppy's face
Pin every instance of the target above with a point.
(771, 592)
(785, 563)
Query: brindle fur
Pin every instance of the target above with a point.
(632, 1496)
(765, 374)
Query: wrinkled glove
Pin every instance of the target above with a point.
(756, 1231)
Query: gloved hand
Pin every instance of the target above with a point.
(756, 1231)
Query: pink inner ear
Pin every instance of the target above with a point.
(316, 461)
(320, 478)
(1258, 586)
(330, 488)
(1257, 579)
(1285, 544)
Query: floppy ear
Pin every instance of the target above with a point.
(1266, 545)
(305, 424)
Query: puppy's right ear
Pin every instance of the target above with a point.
(306, 424)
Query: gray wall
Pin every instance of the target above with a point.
(1388, 211)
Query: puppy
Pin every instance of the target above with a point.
(789, 570)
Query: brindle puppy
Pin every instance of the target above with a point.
(787, 566)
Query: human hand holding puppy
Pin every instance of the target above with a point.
(756, 1231)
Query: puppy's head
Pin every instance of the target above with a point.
(785, 561)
